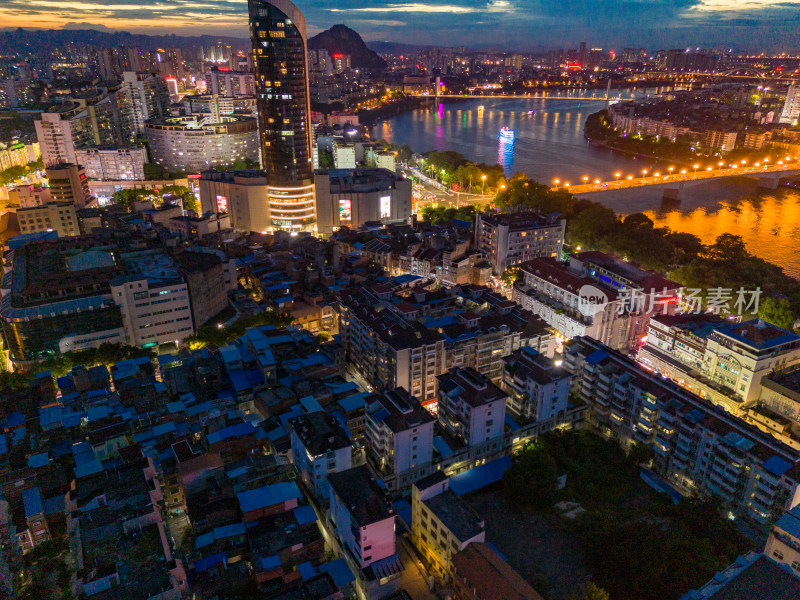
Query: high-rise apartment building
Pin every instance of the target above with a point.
(791, 108)
(113, 164)
(68, 183)
(55, 138)
(697, 447)
(149, 96)
(278, 36)
(510, 239)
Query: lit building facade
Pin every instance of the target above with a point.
(278, 36)
(193, 144)
(113, 164)
(697, 447)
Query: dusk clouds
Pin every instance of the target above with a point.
(768, 24)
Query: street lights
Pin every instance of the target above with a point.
(483, 184)
(671, 169)
(696, 166)
(617, 175)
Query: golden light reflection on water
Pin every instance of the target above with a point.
(769, 224)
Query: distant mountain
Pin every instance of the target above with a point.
(340, 39)
(394, 48)
(13, 41)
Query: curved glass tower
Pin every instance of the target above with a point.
(278, 35)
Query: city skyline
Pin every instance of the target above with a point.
(527, 24)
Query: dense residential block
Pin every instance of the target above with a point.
(319, 446)
(471, 407)
(724, 362)
(442, 524)
(697, 446)
(597, 295)
(538, 390)
(364, 520)
(509, 239)
(399, 436)
(409, 337)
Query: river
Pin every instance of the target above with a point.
(549, 144)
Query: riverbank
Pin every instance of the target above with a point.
(598, 132)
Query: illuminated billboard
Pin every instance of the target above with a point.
(386, 207)
(345, 210)
(222, 204)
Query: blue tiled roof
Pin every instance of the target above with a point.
(790, 522)
(238, 430)
(353, 402)
(304, 514)
(54, 505)
(339, 571)
(175, 407)
(15, 419)
(512, 424)
(88, 468)
(310, 404)
(756, 324)
(777, 466)
(38, 460)
(441, 446)
(210, 561)
(239, 380)
(403, 508)
(192, 411)
(268, 495)
(478, 477)
(306, 570)
(694, 415)
(32, 500)
(596, 357)
(270, 562)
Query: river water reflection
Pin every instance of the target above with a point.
(549, 144)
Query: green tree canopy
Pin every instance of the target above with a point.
(531, 479)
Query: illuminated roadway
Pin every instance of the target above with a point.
(678, 178)
(525, 97)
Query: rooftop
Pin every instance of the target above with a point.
(472, 387)
(750, 577)
(521, 220)
(361, 495)
(456, 515)
(759, 334)
(398, 409)
(494, 579)
(320, 433)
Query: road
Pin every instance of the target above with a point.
(428, 192)
(790, 167)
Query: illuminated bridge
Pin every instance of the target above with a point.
(526, 97)
(675, 184)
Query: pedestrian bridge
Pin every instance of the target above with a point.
(675, 184)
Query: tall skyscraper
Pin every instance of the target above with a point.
(149, 96)
(791, 109)
(278, 35)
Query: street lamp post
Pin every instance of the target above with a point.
(483, 184)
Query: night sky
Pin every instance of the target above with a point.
(523, 24)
